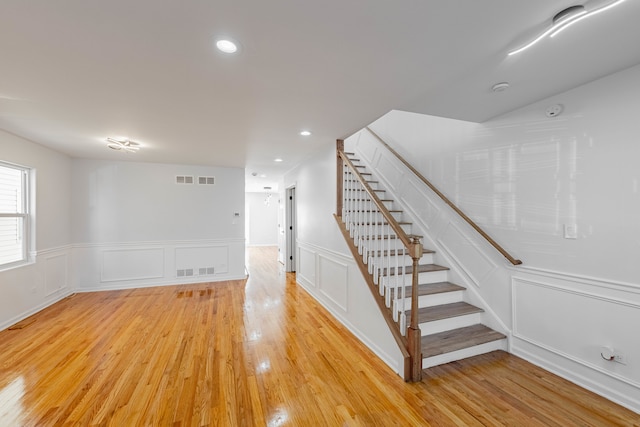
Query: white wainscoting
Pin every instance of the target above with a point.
(562, 322)
(28, 289)
(56, 271)
(335, 281)
(143, 264)
(555, 320)
(120, 265)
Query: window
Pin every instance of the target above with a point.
(14, 215)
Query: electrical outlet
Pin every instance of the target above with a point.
(619, 358)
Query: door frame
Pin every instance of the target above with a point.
(291, 222)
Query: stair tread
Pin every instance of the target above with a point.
(432, 289)
(393, 252)
(382, 223)
(458, 339)
(422, 268)
(445, 311)
(435, 288)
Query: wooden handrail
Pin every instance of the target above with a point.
(411, 345)
(492, 242)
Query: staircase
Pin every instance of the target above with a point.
(450, 328)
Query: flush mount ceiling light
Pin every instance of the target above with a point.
(125, 145)
(277, 160)
(305, 133)
(500, 87)
(565, 19)
(226, 46)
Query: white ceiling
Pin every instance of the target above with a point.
(73, 72)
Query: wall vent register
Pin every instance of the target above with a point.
(182, 179)
(206, 180)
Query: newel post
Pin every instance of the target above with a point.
(339, 176)
(413, 333)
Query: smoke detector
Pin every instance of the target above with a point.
(554, 110)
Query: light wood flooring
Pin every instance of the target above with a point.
(259, 352)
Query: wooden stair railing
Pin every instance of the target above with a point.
(380, 247)
(492, 242)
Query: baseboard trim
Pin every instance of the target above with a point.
(192, 281)
(544, 359)
(54, 298)
(386, 358)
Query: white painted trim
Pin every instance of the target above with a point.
(300, 273)
(576, 378)
(556, 351)
(171, 282)
(176, 243)
(473, 244)
(55, 249)
(594, 281)
(60, 295)
(126, 279)
(390, 361)
(64, 255)
(319, 258)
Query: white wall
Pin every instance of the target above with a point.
(134, 226)
(325, 267)
(522, 177)
(27, 289)
(262, 218)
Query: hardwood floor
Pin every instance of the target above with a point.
(259, 352)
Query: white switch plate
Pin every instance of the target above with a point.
(570, 231)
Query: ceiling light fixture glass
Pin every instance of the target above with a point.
(564, 19)
(226, 46)
(125, 145)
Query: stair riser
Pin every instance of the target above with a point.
(440, 359)
(436, 299)
(423, 278)
(378, 230)
(428, 328)
(371, 217)
(427, 258)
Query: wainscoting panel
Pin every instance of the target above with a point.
(420, 206)
(389, 172)
(563, 325)
(56, 274)
(132, 264)
(577, 324)
(306, 268)
(366, 148)
(213, 259)
(341, 290)
(477, 265)
(143, 264)
(333, 280)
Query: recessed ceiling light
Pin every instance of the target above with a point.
(277, 160)
(305, 133)
(263, 176)
(226, 46)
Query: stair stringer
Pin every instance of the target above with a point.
(438, 223)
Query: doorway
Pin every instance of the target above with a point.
(290, 232)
